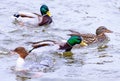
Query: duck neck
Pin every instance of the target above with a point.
(101, 37)
(20, 64)
(23, 55)
(66, 47)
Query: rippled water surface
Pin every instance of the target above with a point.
(86, 64)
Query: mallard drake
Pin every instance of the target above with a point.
(34, 18)
(66, 46)
(93, 38)
(21, 64)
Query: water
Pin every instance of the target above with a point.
(86, 64)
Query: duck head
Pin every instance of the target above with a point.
(21, 51)
(73, 40)
(45, 10)
(101, 30)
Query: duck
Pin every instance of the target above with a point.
(91, 39)
(22, 65)
(23, 18)
(64, 46)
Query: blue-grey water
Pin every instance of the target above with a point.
(86, 64)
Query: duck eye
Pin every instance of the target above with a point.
(103, 28)
(78, 38)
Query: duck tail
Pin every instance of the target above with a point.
(73, 33)
(16, 15)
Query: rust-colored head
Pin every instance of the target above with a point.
(21, 51)
(101, 30)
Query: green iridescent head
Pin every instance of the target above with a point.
(74, 40)
(44, 10)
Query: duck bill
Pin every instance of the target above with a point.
(48, 13)
(83, 44)
(109, 31)
(12, 52)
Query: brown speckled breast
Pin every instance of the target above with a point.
(65, 47)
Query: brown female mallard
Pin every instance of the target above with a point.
(89, 39)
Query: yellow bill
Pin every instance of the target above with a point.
(83, 44)
(48, 13)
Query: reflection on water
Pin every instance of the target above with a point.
(21, 78)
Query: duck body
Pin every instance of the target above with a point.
(65, 46)
(52, 46)
(33, 18)
(90, 39)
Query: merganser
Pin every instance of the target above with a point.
(34, 18)
(42, 66)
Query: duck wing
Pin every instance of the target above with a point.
(42, 44)
(89, 38)
(43, 41)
